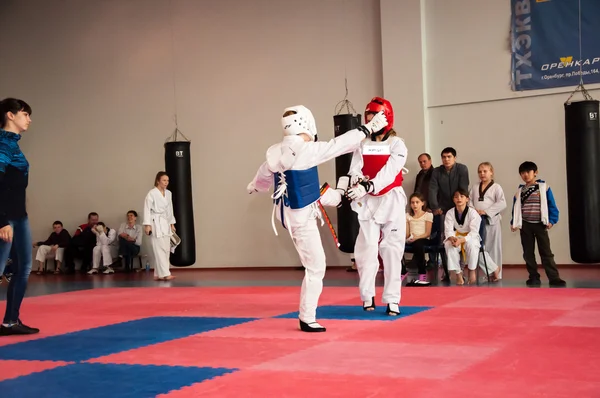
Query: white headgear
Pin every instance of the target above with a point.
(302, 121)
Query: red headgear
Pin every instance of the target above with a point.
(380, 104)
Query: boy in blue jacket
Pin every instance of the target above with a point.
(534, 213)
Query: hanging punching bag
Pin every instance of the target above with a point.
(347, 219)
(179, 168)
(582, 132)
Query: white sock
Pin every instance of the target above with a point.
(6, 325)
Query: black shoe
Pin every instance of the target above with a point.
(312, 327)
(33, 330)
(16, 329)
(558, 283)
(533, 282)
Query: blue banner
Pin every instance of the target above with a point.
(546, 43)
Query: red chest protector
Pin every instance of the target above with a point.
(375, 156)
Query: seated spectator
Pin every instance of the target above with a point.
(130, 239)
(419, 223)
(54, 245)
(461, 226)
(106, 248)
(82, 244)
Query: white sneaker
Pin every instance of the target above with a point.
(92, 271)
(108, 270)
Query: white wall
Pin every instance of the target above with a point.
(403, 78)
(472, 108)
(99, 76)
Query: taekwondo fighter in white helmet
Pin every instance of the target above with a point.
(291, 166)
(379, 200)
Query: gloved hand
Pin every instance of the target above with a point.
(360, 190)
(355, 179)
(251, 188)
(342, 184)
(378, 122)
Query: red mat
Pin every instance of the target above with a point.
(474, 342)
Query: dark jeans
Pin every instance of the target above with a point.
(418, 248)
(21, 267)
(128, 250)
(419, 254)
(530, 233)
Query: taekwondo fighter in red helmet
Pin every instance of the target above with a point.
(379, 200)
(291, 166)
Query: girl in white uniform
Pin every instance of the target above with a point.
(379, 201)
(487, 198)
(159, 224)
(461, 229)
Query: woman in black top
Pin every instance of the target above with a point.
(15, 117)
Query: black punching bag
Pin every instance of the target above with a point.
(179, 168)
(347, 219)
(583, 180)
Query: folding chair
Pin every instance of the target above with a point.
(482, 236)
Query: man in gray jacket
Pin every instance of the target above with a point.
(445, 180)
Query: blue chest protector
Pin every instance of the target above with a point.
(302, 187)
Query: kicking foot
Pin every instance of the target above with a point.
(393, 309)
(311, 327)
(369, 305)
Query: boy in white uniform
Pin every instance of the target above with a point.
(461, 229)
(291, 166)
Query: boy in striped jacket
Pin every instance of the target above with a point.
(534, 213)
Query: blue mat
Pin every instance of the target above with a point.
(355, 312)
(111, 339)
(92, 380)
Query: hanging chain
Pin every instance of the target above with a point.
(345, 102)
(173, 137)
(580, 87)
